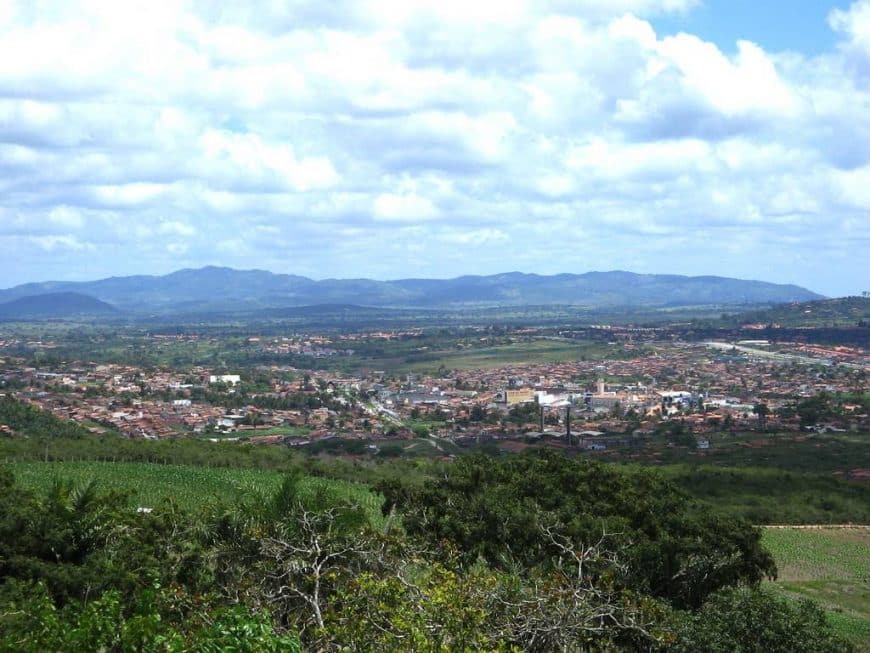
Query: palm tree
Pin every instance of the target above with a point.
(288, 548)
(762, 411)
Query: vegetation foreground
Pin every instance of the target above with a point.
(535, 552)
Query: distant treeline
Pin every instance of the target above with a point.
(28, 420)
(851, 336)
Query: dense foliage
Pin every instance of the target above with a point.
(29, 420)
(502, 509)
(308, 566)
(742, 620)
(826, 405)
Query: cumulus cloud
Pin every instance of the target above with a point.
(854, 22)
(176, 228)
(61, 243)
(65, 216)
(407, 207)
(387, 137)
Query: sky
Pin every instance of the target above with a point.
(799, 26)
(433, 138)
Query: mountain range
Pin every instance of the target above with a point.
(226, 290)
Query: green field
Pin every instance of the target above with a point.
(188, 486)
(775, 496)
(839, 452)
(768, 478)
(815, 453)
(295, 431)
(537, 351)
(830, 566)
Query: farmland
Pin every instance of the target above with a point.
(190, 487)
(774, 496)
(537, 351)
(830, 566)
(764, 495)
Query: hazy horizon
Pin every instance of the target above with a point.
(387, 280)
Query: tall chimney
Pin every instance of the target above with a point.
(568, 425)
(542, 418)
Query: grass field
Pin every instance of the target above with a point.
(769, 478)
(295, 431)
(776, 496)
(830, 566)
(188, 486)
(839, 452)
(538, 351)
(798, 452)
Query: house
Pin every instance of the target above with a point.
(229, 421)
(228, 379)
(515, 396)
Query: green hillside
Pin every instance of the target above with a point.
(843, 311)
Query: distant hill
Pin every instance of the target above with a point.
(227, 290)
(330, 311)
(55, 306)
(843, 311)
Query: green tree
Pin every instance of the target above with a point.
(497, 509)
(761, 411)
(289, 551)
(755, 621)
(420, 430)
(815, 409)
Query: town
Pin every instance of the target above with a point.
(654, 388)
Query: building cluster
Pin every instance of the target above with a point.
(314, 346)
(703, 388)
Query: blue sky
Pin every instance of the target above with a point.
(434, 138)
(799, 26)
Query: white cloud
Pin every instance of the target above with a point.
(854, 188)
(65, 216)
(352, 131)
(475, 237)
(175, 228)
(226, 155)
(129, 195)
(60, 243)
(747, 83)
(854, 22)
(600, 158)
(405, 207)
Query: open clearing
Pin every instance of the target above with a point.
(538, 351)
(831, 566)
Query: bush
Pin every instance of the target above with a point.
(756, 621)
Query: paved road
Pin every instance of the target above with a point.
(820, 527)
(785, 358)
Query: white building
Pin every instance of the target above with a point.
(229, 379)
